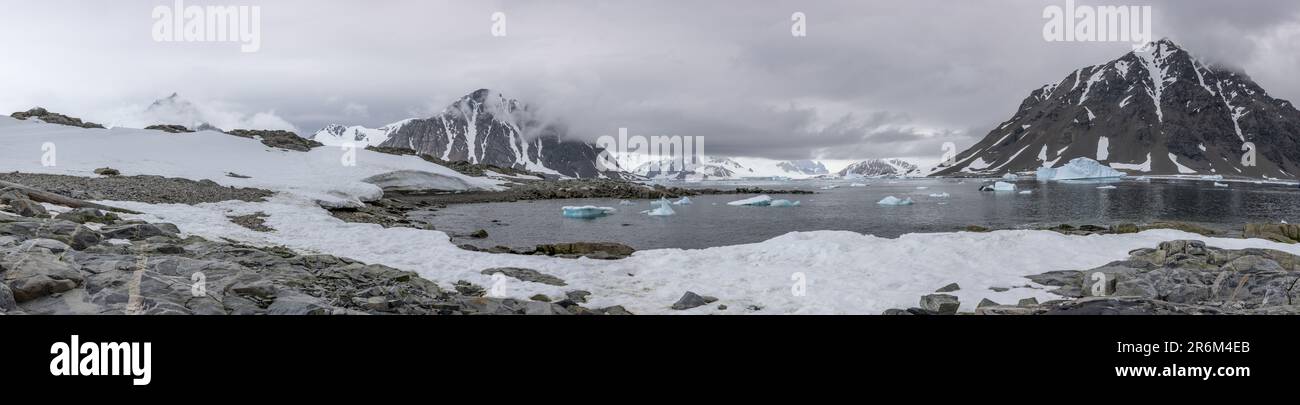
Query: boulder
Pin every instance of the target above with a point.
(692, 300)
(29, 208)
(594, 250)
(37, 273)
(948, 288)
(942, 304)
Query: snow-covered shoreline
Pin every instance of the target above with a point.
(845, 272)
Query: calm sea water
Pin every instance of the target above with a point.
(710, 222)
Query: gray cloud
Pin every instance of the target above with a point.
(871, 79)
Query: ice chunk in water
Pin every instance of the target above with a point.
(1027, 192)
(891, 200)
(626, 202)
(1106, 188)
(784, 203)
(586, 211)
(663, 208)
(939, 195)
(857, 185)
(1218, 184)
(1004, 186)
(1079, 169)
(760, 201)
(683, 201)
(1010, 177)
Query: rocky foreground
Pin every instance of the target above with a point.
(86, 261)
(1181, 277)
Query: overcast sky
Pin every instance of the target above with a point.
(872, 78)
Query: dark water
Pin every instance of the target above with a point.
(710, 222)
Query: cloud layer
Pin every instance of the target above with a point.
(870, 79)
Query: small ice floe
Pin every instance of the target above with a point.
(683, 201)
(1010, 177)
(922, 188)
(586, 211)
(760, 201)
(1026, 192)
(891, 200)
(939, 195)
(857, 185)
(1004, 186)
(1106, 188)
(1212, 177)
(1144, 179)
(830, 187)
(1080, 168)
(1218, 184)
(626, 202)
(663, 208)
(784, 203)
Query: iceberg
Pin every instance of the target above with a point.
(1218, 184)
(663, 208)
(760, 201)
(1004, 186)
(891, 200)
(586, 212)
(683, 201)
(784, 203)
(1080, 168)
(939, 195)
(626, 202)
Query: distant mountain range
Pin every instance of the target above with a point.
(880, 168)
(482, 127)
(1156, 110)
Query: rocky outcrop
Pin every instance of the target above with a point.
(277, 139)
(170, 128)
(53, 118)
(132, 267)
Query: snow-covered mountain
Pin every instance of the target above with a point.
(806, 167)
(880, 168)
(212, 115)
(482, 127)
(730, 168)
(1156, 110)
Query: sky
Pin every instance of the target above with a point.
(870, 79)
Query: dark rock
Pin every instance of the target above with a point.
(594, 250)
(976, 228)
(1027, 302)
(88, 215)
(985, 303)
(615, 310)
(54, 118)
(34, 274)
(107, 171)
(84, 237)
(171, 128)
(540, 297)
(943, 304)
(479, 234)
(578, 296)
(948, 288)
(29, 208)
(135, 231)
(278, 139)
(1284, 233)
(692, 300)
